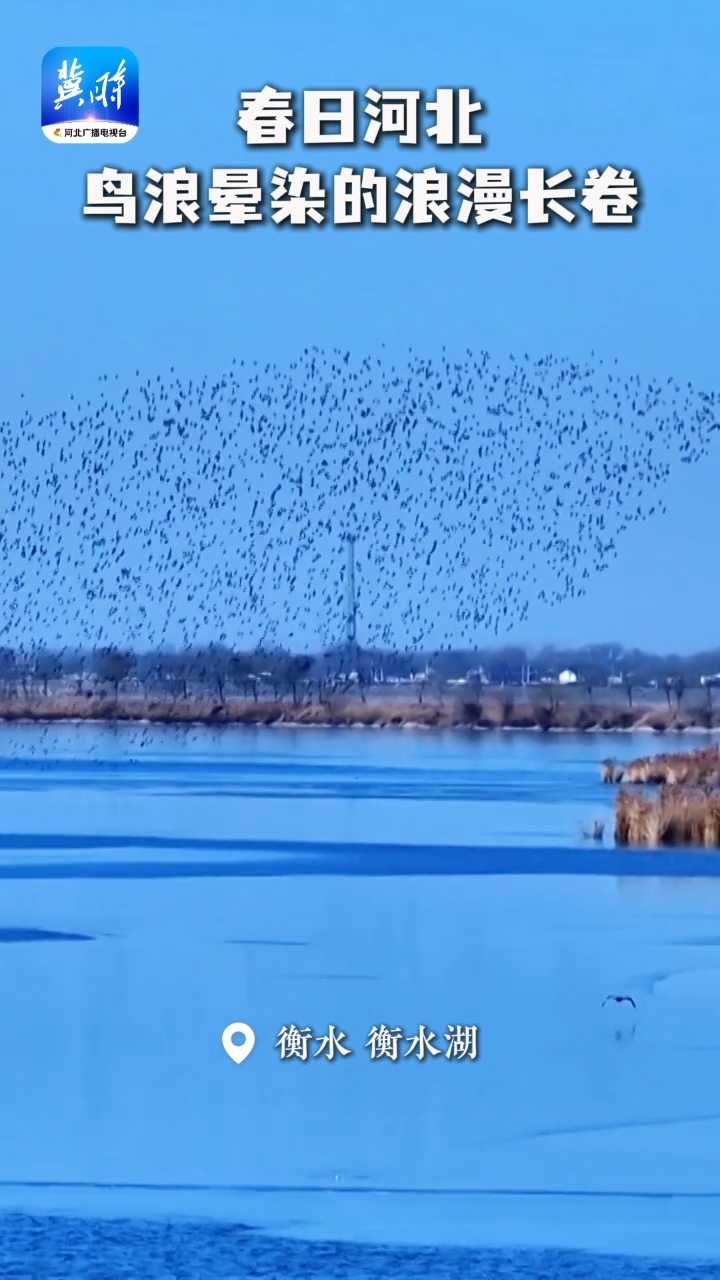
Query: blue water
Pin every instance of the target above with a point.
(156, 884)
(54, 1248)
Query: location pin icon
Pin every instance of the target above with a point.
(238, 1052)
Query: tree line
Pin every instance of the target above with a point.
(220, 671)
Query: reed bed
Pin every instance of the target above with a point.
(688, 816)
(265, 711)
(699, 768)
(514, 711)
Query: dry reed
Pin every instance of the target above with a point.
(487, 712)
(699, 768)
(675, 815)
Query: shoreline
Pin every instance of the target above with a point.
(429, 717)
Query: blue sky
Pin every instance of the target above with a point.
(563, 85)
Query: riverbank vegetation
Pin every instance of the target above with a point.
(494, 712)
(700, 768)
(687, 816)
(668, 799)
(475, 689)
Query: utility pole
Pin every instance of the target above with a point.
(351, 609)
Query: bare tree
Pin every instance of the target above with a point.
(213, 668)
(292, 670)
(74, 662)
(113, 666)
(242, 669)
(47, 667)
(9, 670)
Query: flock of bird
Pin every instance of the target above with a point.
(177, 510)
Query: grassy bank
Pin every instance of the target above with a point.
(491, 713)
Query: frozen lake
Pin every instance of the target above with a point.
(156, 885)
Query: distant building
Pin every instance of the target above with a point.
(710, 680)
(568, 677)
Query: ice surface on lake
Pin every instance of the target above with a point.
(130, 936)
